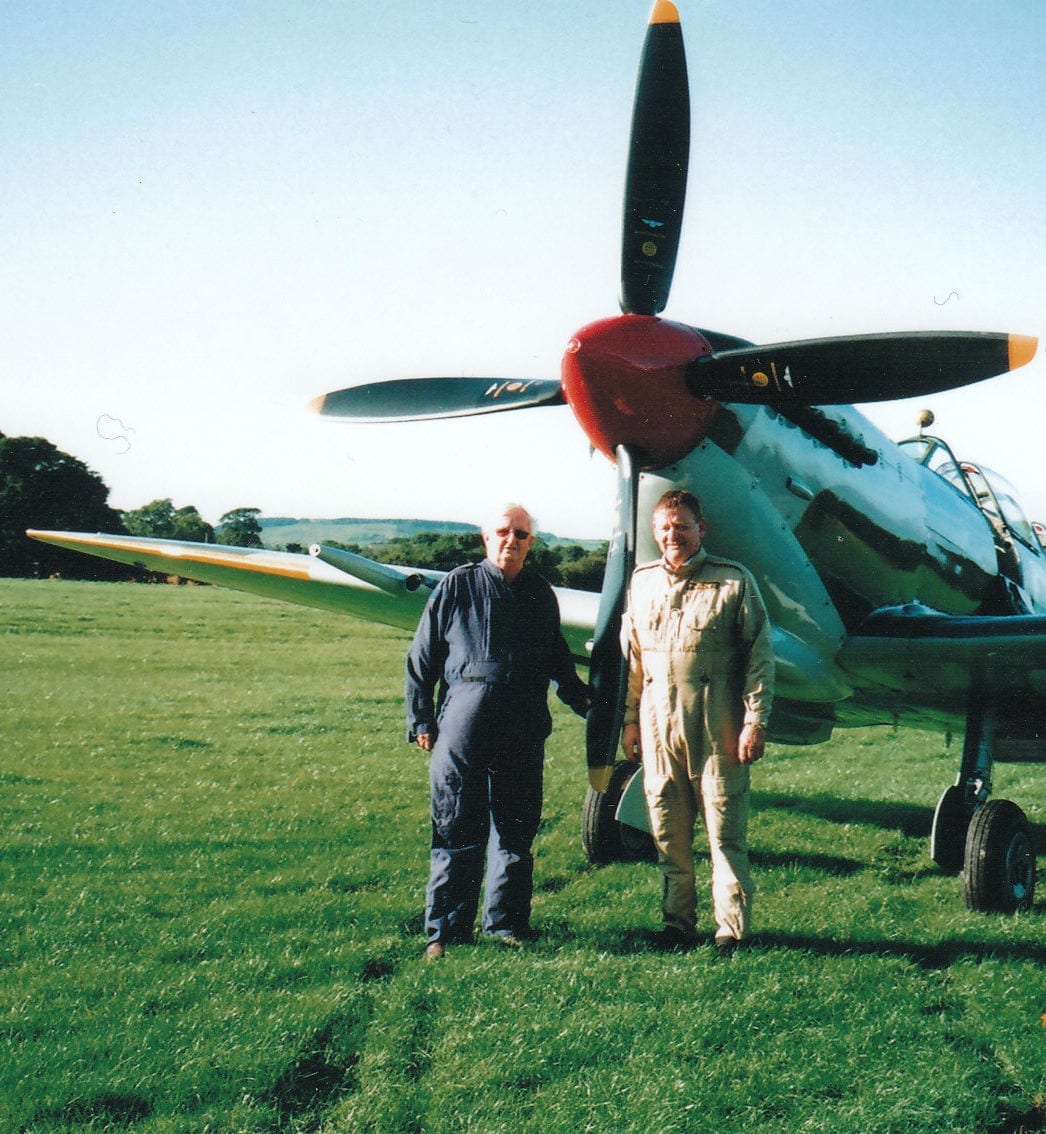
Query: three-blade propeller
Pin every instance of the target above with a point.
(622, 355)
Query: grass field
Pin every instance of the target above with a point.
(214, 856)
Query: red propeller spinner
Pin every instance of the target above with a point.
(625, 378)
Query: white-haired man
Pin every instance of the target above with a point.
(478, 673)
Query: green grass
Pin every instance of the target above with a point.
(211, 888)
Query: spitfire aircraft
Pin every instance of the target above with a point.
(903, 582)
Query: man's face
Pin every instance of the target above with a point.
(678, 534)
(508, 541)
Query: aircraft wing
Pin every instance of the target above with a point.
(326, 578)
(915, 656)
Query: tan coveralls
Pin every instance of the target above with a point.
(700, 667)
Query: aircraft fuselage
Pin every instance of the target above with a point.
(834, 527)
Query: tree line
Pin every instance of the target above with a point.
(42, 487)
(564, 565)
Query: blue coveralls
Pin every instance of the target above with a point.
(491, 647)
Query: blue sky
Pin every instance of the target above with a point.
(214, 212)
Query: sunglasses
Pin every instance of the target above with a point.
(519, 533)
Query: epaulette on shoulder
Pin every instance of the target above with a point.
(727, 564)
(647, 566)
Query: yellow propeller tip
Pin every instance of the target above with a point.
(316, 404)
(1022, 349)
(664, 13)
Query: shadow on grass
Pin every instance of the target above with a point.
(823, 863)
(324, 1068)
(941, 955)
(909, 818)
(1028, 1123)
(314, 1083)
(107, 1110)
(937, 956)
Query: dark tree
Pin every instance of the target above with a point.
(240, 528)
(189, 524)
(42, 487)
(161, 520)
(154, 520)
(584, 571)
(568, 565)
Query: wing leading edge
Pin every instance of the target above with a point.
(280, 575)
(917, 657)
(327, 579)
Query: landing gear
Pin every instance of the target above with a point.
(989, 841)
(603, 838)
(999, 870)
(951, 821)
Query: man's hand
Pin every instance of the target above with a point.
(752, 743)
(630, 743)
(423, 741)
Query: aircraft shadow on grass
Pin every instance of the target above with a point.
(910, 819)
(890, 815)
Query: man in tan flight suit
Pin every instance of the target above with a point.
(700, 686)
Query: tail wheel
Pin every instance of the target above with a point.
(999, 867)
(603, 838)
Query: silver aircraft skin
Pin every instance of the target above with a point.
(904, 585)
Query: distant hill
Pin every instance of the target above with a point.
(284, 529)
(278, 531)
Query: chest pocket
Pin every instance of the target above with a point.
(650, 630)
(702, 620)
(685, 620)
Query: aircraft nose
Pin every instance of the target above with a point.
(625, 380)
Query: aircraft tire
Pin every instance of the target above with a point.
(951, 822)
(999, 869)
(603, 838)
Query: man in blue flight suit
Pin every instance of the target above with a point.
(490, 640)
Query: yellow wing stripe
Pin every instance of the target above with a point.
(214, 558)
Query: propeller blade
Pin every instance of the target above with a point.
(719, 341)
(608, 670)
(423, 399)
(659, 155)
(857, 368)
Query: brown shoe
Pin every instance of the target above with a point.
(434, 950)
